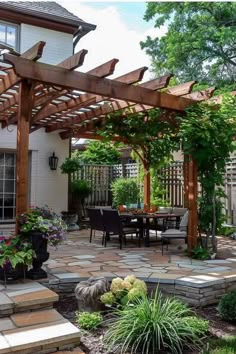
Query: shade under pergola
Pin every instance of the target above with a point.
(55, 97)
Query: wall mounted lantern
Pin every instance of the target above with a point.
(53, 161)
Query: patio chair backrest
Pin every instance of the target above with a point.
(184, 222)
(179, 211)
(165, 210)
(103, 207)
(95, 218)
(111, 221)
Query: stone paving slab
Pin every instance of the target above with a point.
(35, 298)
(36, 317)
(5, 302)
(42, 334)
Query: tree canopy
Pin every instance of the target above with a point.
(148, 134)
(200, 43)
(100, 153)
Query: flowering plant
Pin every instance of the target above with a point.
(15, 250)
(43, 220)
(124, 290)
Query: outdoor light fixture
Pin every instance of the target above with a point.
(53, 161)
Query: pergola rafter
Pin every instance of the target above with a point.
(55, 97)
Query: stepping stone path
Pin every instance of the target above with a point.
(29, 324)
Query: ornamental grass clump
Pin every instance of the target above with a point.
(124, 290)
(150, 325)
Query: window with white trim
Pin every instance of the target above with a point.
(8, 34)
(7, 186)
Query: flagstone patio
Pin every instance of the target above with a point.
(79, 258)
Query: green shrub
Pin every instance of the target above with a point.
(88, 320)
(150, 325)
(227, 306)
(200, 253)
(226, 345)
(125, 191)
(124, 290)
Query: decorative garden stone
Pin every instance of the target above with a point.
(88, 294)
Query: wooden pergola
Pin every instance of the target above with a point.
(55, 97)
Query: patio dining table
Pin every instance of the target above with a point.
(144, 222)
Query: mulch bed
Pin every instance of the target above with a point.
(92, 342)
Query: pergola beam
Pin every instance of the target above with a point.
(89, 83)
(112, 105)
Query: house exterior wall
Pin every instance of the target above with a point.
(46, 187)
(58, 46)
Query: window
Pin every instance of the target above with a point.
(7, 186)
(8, 34)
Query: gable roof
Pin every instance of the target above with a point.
(45, 10)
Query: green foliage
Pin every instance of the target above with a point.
(151, 325)
(70, 165)
(157, 191)
(200, 253)
(88, 320)
(226, 345)
(124, 191)
(81, 188)
(15, 250)
(199, 43)
(207, 133)
(226, 230)
(227, 306)
(100, 153)
(124, 290)
(141, 131)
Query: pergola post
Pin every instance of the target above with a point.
(23, 129)
(147, 187)
(190, 199)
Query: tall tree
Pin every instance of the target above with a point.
(200, 42)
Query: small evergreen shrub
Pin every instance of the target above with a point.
(88, 320)
(227, 306)
(150, 325)
(125, 191)
(200, 253)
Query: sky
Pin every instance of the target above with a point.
(120, 28)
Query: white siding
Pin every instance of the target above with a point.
(47, 187)
(58, 46)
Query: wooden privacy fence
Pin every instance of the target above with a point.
(100, 178)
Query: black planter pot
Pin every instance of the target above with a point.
(19, 272)
(39, 245)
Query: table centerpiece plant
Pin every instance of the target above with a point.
(42, 226)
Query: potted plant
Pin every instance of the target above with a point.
(15, 255)
(42, 226)
(80, 191)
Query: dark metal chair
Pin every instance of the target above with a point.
(114, 226)
(96, 222)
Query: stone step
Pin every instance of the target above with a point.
(25, 296)
(40, 331)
